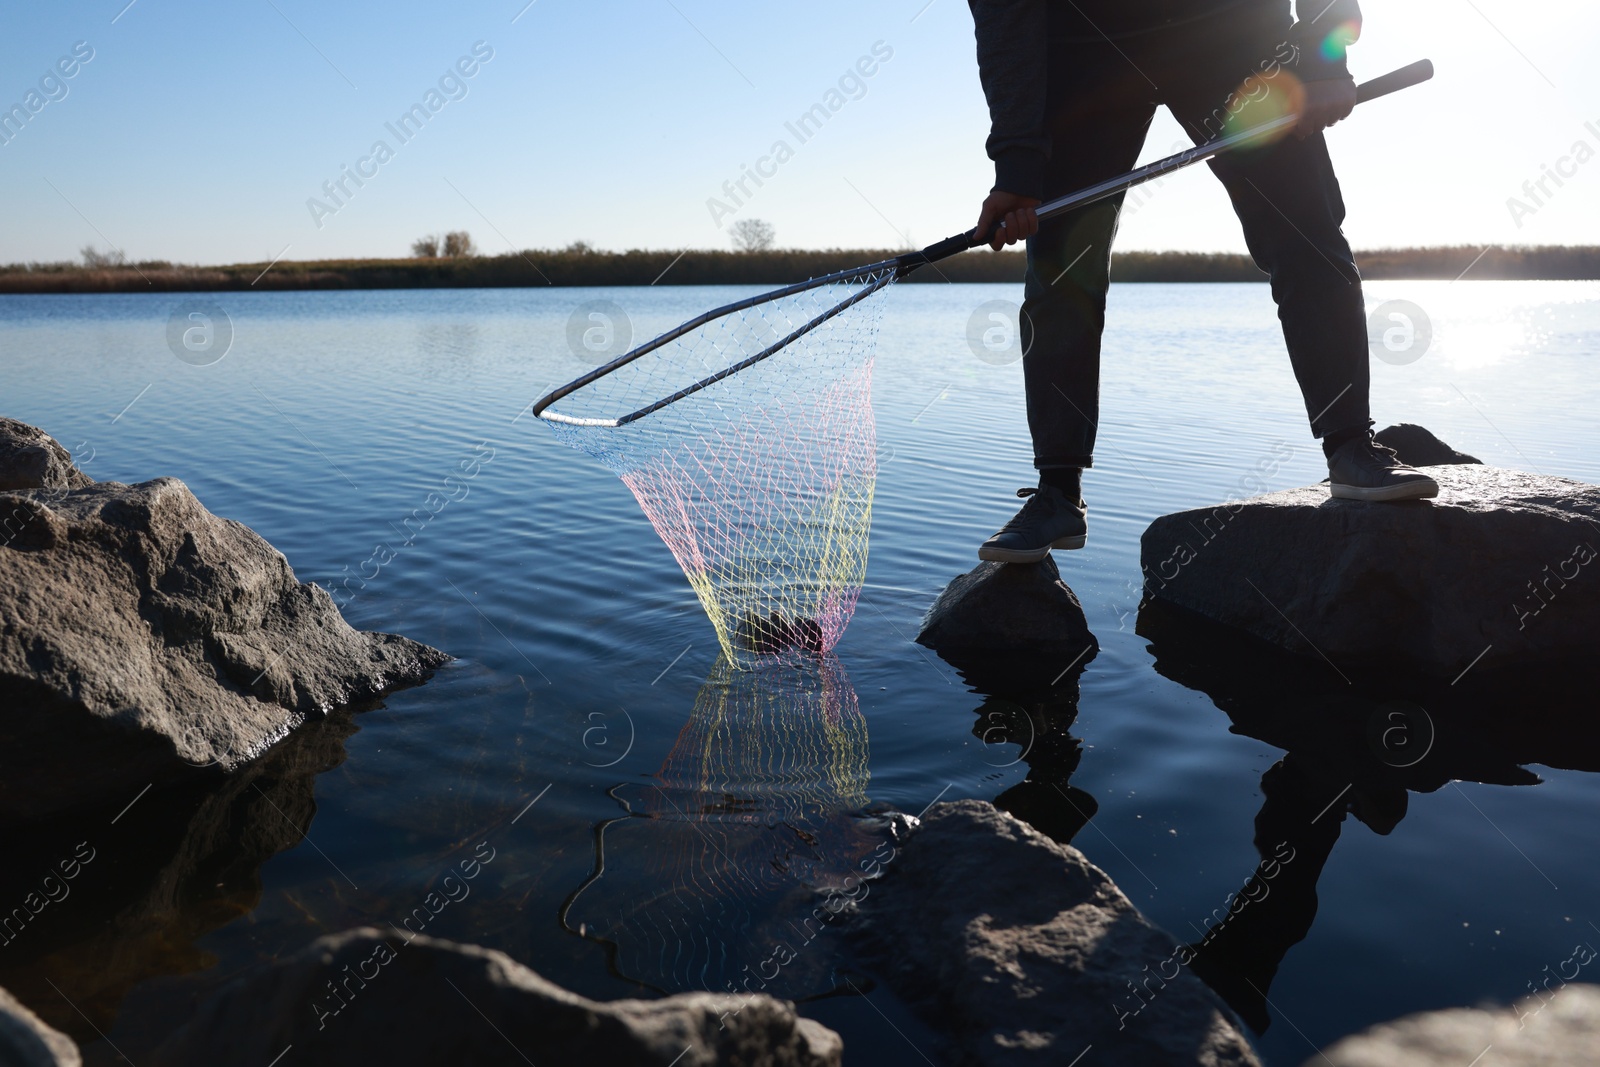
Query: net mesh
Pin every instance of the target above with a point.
(719, 872)
(760, 483)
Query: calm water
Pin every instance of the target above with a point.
(587, 681)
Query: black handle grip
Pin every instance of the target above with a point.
(1392, 82)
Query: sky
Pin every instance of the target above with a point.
(201, 132)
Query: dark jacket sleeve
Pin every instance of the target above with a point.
(1321, 32)
(1011, 63)
(1012, 38)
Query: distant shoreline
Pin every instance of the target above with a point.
(568, 267)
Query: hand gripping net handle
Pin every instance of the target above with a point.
(894, 269)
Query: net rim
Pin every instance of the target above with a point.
(890, 268)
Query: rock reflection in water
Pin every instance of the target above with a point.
(171, 867)
(1355, 745)
(732, 863)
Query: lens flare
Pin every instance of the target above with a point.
(1260, 99)
(1343, 36)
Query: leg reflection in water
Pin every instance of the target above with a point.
(1355, 746)
(747, 843)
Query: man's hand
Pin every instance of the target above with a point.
(1017, 214)
(1326, 102)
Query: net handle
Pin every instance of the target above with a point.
(1402, 78)
(899, 265)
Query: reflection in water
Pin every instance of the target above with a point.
(718, 876)
(1354, 746)
(1033, 707)
(172, 867)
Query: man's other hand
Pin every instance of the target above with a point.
(1017, 214)
(1326, 102)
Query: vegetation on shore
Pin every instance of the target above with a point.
(581, 265)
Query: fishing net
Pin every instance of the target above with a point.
(723, 868)
(747, 437)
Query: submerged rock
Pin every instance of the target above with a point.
(1418, 446)
(1499, 570)
(366, 997)
(1008, 609)
(1562, 1030)
(142, 637)
(25, 1040)
(1026, 953)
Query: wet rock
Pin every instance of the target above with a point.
(1558, 1030)
(366, 997)
(144, 637)
(25, 1040)
(1418, 446)
(1009, 609)
(1026, 953)
(32, 459)
(1498, 571)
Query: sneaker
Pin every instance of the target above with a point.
(1048, 520)
(1362, 469)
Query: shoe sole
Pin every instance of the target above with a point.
(1030, 555)
(1418, 490)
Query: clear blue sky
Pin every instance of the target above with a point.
(198, 131)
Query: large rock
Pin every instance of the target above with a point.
(142, 637)
(1026, 953)
(366, 997)
(1013, 609)
(1418, 446)
(1500, 566)
(31, 459)
(1560, 1029)
(25, 1040)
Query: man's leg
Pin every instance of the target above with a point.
(1064, 295)
(1287, 198)
(1064, 298)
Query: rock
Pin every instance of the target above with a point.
(1500, 567)
(25, 1040)
(1012, 609)
(144, 637)
(366, 997)
(1417, 446)
(31, 459)
(1561, 1030)
(1026, 953)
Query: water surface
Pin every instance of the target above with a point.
(680, 813)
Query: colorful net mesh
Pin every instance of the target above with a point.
(752, 825)
(758, 470)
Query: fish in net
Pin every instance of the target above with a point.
(747, 436)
